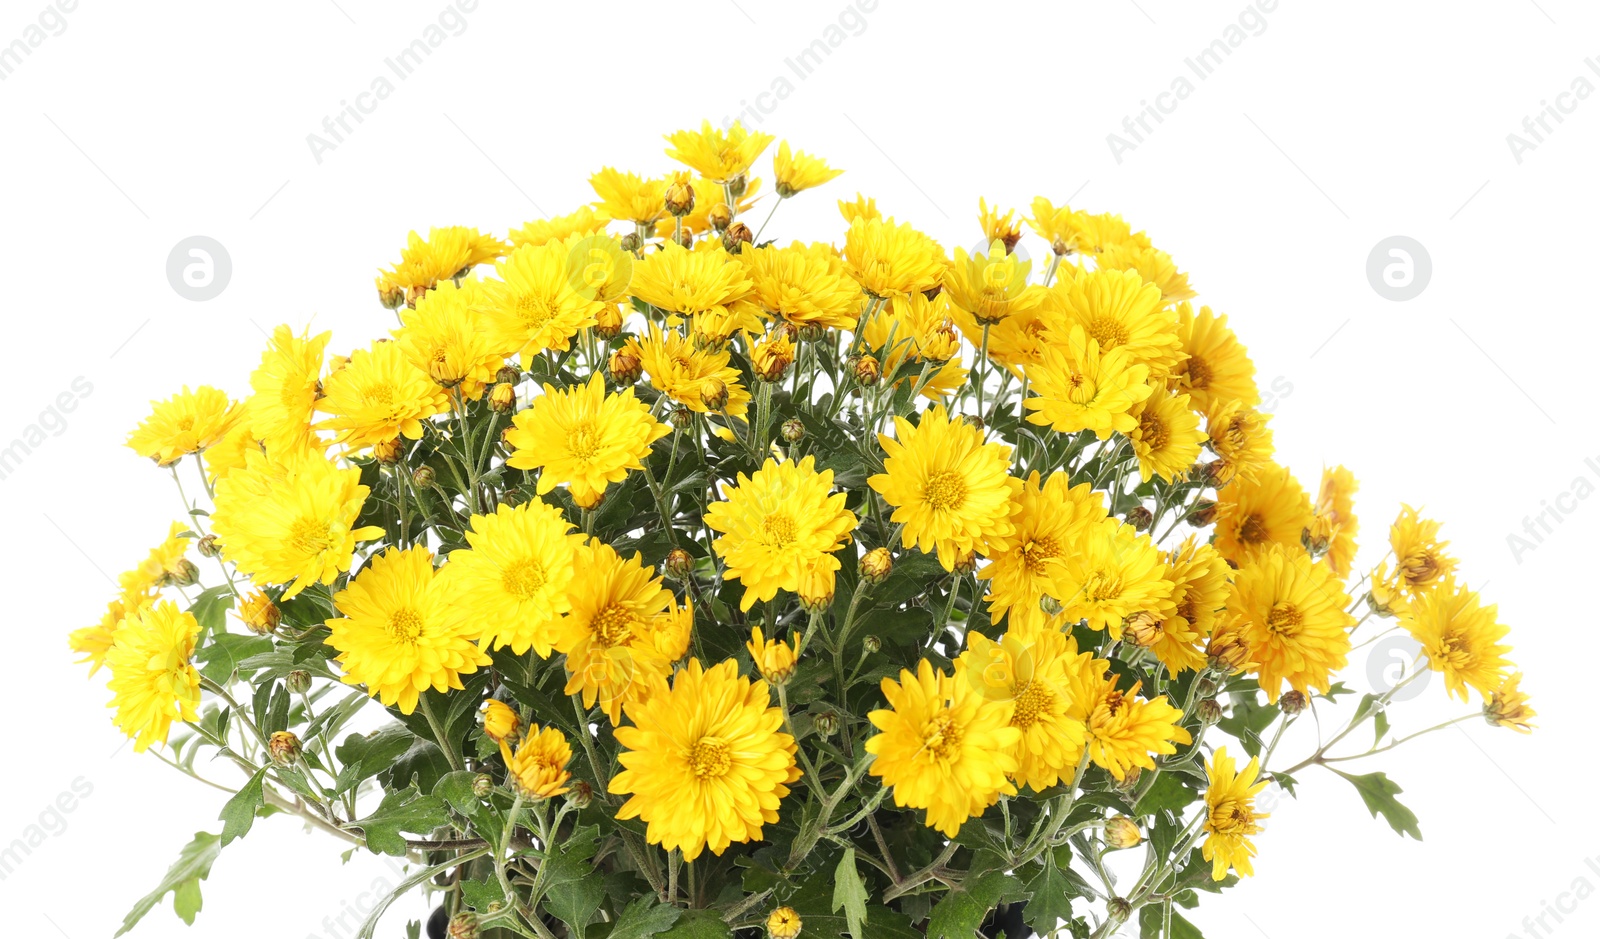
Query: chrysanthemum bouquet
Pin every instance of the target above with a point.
(652, 578)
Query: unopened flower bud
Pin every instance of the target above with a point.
(684, 238)
(826, 723)
(298, 681)
(736, 185)
(966, 562)
(208, 547)
(182, 574)
(736, 237)
(784, 923)
(422, 477)
(1140, 518)
(876, 565)
(630, 242)
(464, 925)
(1130, 781)
(1219, 473)
(502, 397)
(680, 196)
(1202, 514)
(1050, 606)
(1122, 832)
(389, 451)
(508, 375)
(625, 367)
(392, 296)
(1315, 541)
(682, 417)
(868, 371)
(678, 565)
(500, 721)
(1293, 702)
(260, 614)
(1142, 629)
(580, 795)
(1205, 687)
(714, 393)
(1209, 711)
(1118, 910)
(793, 430)
(1227, 651)
(1060, 248)
(720, 217)
(608, 322)
(284, 747)
(482, 785)
(771, 358)
(588, 499)
(974, 420)
(871, 644)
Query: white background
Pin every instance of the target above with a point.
(1337, 126)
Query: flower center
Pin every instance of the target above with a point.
(1420, 568)
(1033, 701)
(533, 310)
(1080, 388)
(380, 396)
(1199, 373)
(778, 530)
(1109, 332)
(941, 736)
(1039, 550)
(583, 441)
(310, 536)
(1113, 702)
(1233, 818)
(524, 579)
(613, 625)
(1253, 529)
(186, 422)
(405, 625)
(710, 759)
(1102, 586)
(1152, 430)
(945, 490)
(1284, 620)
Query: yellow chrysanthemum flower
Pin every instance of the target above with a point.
(1124, 730)
(1167, 438)
(1215, 367)
(1035, 676)
(286, 386)
(773, 658)
(1240, 437)
(950, 490)
(609, 635)
(803, 285)
(1154, 266)
(1051, 520)
(1118, 311)
(1057, 225)
(1069, 231)
(679, 370)
(379, 396)
(585, 221)
(401, 632)
(996, 227)
(1291, 615)
(447, 253)
(538, 768)
(95, 642)
(1078, 387)
(583, 438)
(1113, 573)
(290, 523)
(863, 207)
(706, 763)
(718, 155)
(1508, 706)
(777, 523)
(164, 565)
(942, 746)
(707, 285)
(1420, 559)
(152, 680)
(628, 196)
(500, 721)
(512, 582)
(1333, 523)
(991, 287)
(890, 260)
(444, 337)
(536, 304)
(799, 171)
(1231, 816)
(228, 454)
(185, 423)
(1199, 578)
(1460, 637)
(1256, 514)
(911, 333)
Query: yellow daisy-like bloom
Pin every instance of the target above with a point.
(1154, 267)
(943, 746)
(890, 260)
(609, 636)
(1291, 615)
(535, 305)
(1124, 730)
(444, 337)
(1077, 387)
(628, 196)
(447, 252)
(513, 580)
(1420, 559)
(1015, 342)
(1069, 231)
(1051, 520)
(1035, 676)
(1215, 367)
(777, 523)
(991, 287)
(996, 227)
(784, 923)
(379, 396)
(863, 207)
(500, 721)
(1460, 637)
(185, 423)
(290, 523)
(583, 437)
(679, 370)
(1333, 523)
(910, 332)
(285, 385)
(1057, 225)
(718, 155)
(1167, 438)
(1111, 574)
(1254, 515)
(706, 284)
(773, 658)
(164, 565)
(585, 221)
(1231, 816)
(1199, 578)
(803, 285)
(538, 768)
(951, 491)
(228, 454)
(1240, 437)
(401, 632)
(1508, 706)
(799, 171)
(152, 680)
(1118, 311)
(94, 642)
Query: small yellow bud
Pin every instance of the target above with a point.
(1140, 518)
(500, 721)
(1293, 702)
(680, 195)
(1227, 651)
(678, 565)
(1203, 513)
(630, 242)
(580, 795)
(502, 397)
(1209, 711)
(208, 547)
(793, 430)
(771, 358)
(422, 477)
(714, 394)
(284, 748)
(588, 499)
(867, 371)
(508, 374)
(389, 451)
(625, 367)
(1142, 629)
(298, 681)
(876, 565)
(482, 785)
(784, 923)
(736, 237)
(392, 296)
(608, 322)
(816, 588)
(1122, 832)
(260, 614)
(183, 573)
(720, 217)
(773, 658)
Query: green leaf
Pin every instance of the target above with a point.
(478, 894)
(850, 894)
(1378, 791)
(366, 756)
(1150, 923)
(403, 811)
(576, 903)
(699, 924)
(1167, 793)
(1050, 898)
(962, 911)
(240, 811)
(182, 880)
(642, 918)
(223, 652)
(210, 609)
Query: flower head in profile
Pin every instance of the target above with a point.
(773, 658)
(1508, 706)
(1167, 438)
(908, 334)
(446, 253)
(1461, 638)
(444, 337)
(513, 579)
(1290, 613)
(996, 227)
(584, 438)
(1154, 266)
(1215, 367)
(707, 284)
(1035, 675)
(861, 206)
(706, 763)
(1333, 521)
(1078, 387)
(718, 155)
(992, 286)
(1113, 573)
(286, 385)
(890, 260)
(187, 422)
(1199, 578)
(609, 636)
(1231, 816)
(950, 490)
(535, 304)
(500, 721)
(1240, 437)
(943, 746)
(798, 171)
(378, 396)
(400, 633)
(629, 196)
(1254, 515)
(1125, 731)
(538, 767)
(774, 525)
(1421, 563)
(802, 285)
(153, 682)
(1118, 311)
(585, 221)
(1051, 520)
(679, 370)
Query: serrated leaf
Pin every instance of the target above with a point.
(1167, 793)
(699, 924)
(366, 756)
(478, 894)
(963, 910)
(1050, 898)
(239, 813)
(400, 812)
(575, 904)
(850, 894)
(1378, 791)
(644, 917)
(182, 880)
